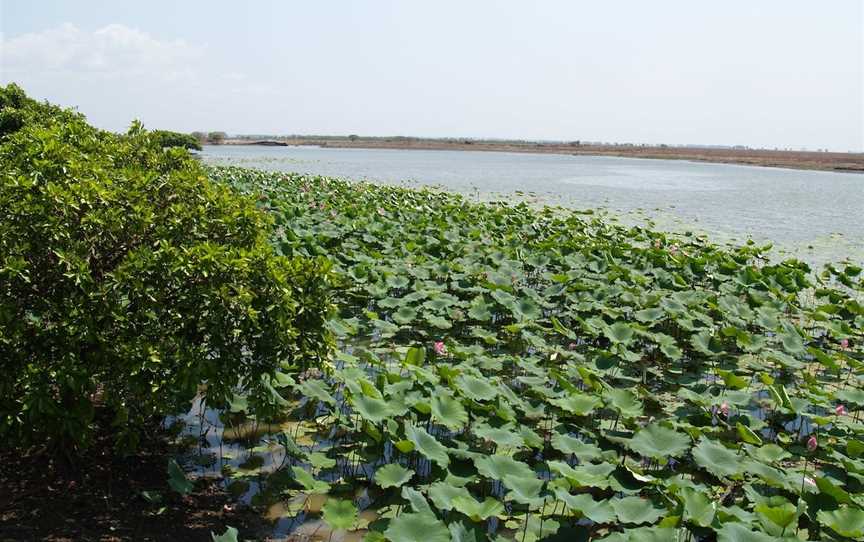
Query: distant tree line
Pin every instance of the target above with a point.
(213, 138)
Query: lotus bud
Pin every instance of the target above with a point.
(724, 408)
(812, 444)
(440, 349)
(840, 410)
(844, 343)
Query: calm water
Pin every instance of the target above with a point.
(814, 215)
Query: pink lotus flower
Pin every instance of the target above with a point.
(840, 410)
(724, 408)
(812, 443)
(844, 343)
(440, 349)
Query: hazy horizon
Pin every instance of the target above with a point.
(775, 74)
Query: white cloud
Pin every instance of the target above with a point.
(113, 51)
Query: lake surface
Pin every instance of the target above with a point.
(814, 215)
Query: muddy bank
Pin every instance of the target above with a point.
(825, 161)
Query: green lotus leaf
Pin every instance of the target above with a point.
(479, 310)
(523, 489)
(624, 401)
(398, 281)
(503, 298)
(671, 350)
(659, 442)
(792, 341)
(339, 514)
(476, 510)
(427, 445)
(449, 411)
(576, 403)
(737, 532)
(768, 474)
(698, 508)
(619, 332)
(645, 534)
(717, 459)
(748, 435)
(488, 337)
(390, 302)
(415, 356)
(498, 466)
(650, 315)
(416, 500)
(702, 343)
(460, 533)
(853, 396)
(636, 510)
(536, 528)
(417, 527)
(438, 322)
(587, 475)
(525, 309)
(442, 494)
(776, 515)
(317, 390)
(405, 315)
(572, 445)
(230, 535)
(834, 490)
(309, 482)
(372, 410)
(177, 479)
(845, 521)
(768, 453)
(392, 475)
(596, 511)
(502, 437)
(477, 389)
(319, 460)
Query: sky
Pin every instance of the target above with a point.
(772, 73)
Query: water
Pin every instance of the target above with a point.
(813, 215)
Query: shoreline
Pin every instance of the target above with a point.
(804, 160)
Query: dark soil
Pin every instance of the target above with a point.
(98, 496)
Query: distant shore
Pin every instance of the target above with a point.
(812, 160)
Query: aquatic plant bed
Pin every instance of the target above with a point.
(511, 373)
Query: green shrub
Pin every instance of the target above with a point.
(166, 138)
(131, 282)
(18, 110)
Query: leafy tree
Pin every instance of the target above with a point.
(129, 283)
(167, 138)
(216, 138)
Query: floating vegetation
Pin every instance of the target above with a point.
(509, 373)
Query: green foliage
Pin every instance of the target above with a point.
(129, 282)
(166, 138)
(17, 110)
